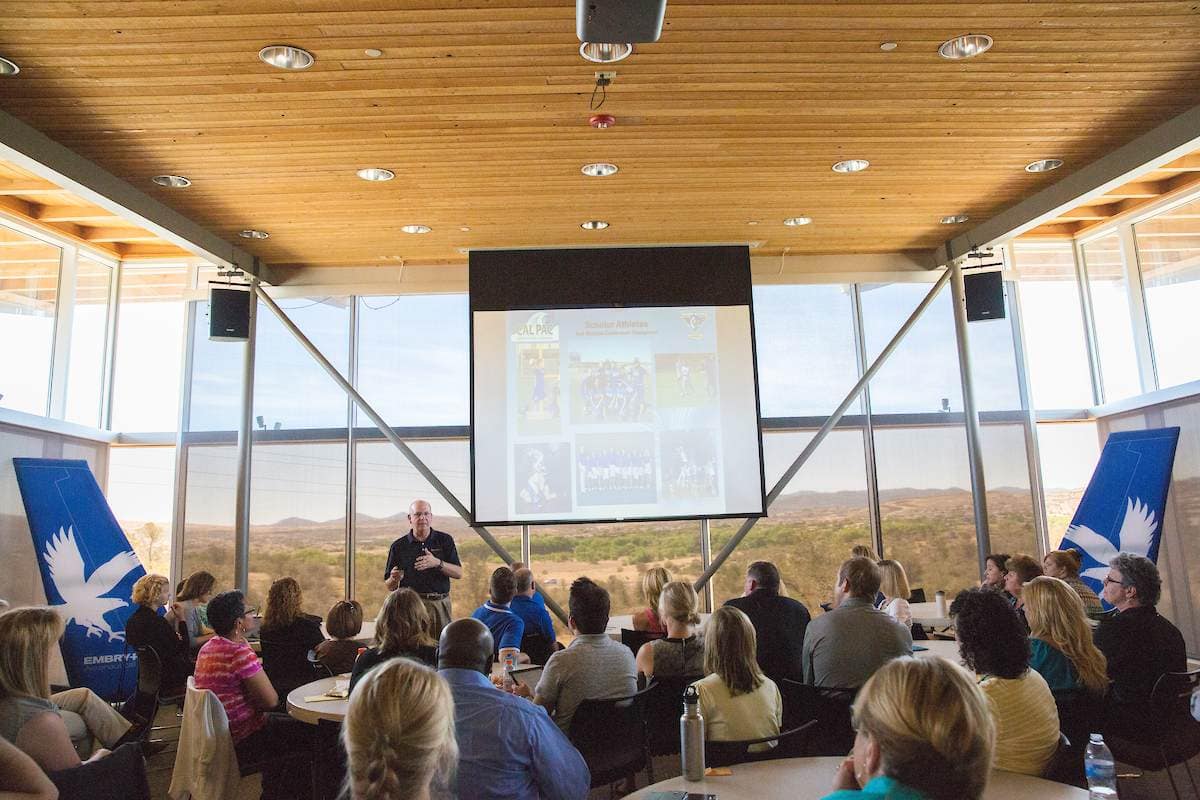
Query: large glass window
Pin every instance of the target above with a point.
(922, 373)
(1169, 256)
(28, 297)
(1011, 526)
(149, 353)
(1110, 312)
(413, 355)
(1069, 453)
(1055, 336)
(211, 486)
(141, 491)
(820, 515)
(804, 335)
(290, 389)
(994, 362)
(89, 334)
(216, 398)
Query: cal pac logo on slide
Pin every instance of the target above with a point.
(540, 327)
(694, 321)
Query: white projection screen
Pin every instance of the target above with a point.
(641, 404)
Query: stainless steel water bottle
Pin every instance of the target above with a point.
(691, 736)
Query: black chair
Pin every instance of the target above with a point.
(1062, 767)
(1079, 713)
(1178, 735)
(289, 665)
(917, 596)
(537, 647)
(833, 735)
(787, 745)
(611, 736)
(664, 705)
(918, 632)
(329, 761)
(635, 639)
(121, 775)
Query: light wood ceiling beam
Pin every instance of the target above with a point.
(21, 186)
(118, 235)
(77, 214)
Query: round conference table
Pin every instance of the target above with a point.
(792, 778)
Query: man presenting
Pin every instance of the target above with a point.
(424, 560)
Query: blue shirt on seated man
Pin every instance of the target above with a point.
(528, 604)
(508, 747)
(506, 627)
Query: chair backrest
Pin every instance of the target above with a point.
(329, 761)
(833, 735)
(535, 645)
(611, 736)
(121, 775)
(1172, 692)
(785, 744)
(143, 706)
(635, 639)
(664, 705)
(1066, 766)
(917, 595)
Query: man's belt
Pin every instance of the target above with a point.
(433, 596)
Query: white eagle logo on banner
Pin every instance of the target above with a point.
(1137, 533)
(84, 600)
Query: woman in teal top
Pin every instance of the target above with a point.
(924, 733)
(1060, 643)
(1055, 667)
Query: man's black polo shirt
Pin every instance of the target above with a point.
(406, 550)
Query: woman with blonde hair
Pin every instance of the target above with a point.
(893, 586)
(288, 636)
(51, 729)
(736, 699)
(682, 652)
(1060, 642)
(401, 631)
(648, 620)
(1064, 565)
(399, 735)
(924, 732)
(145, 628)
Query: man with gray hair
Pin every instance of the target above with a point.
(1139, 644)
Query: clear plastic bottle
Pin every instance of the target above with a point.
(1101, 769)
(691, 736)
(509, 682)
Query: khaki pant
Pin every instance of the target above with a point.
(89, 720)
(439, 615)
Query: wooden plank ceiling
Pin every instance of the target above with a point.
(726, 126)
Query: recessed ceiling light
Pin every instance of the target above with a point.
(751, 222)
(594, 225)
(250, 233)
(599, 170)
(605, 52)
(888, 47)
(415, 228)
(955, 219)
(375, 174)
(8, 68)
(465, 228)
(968, 46)
(372, 52)
(851, 165)
(286, 56)
(796, 222)
(172, 181)
(1044, 165)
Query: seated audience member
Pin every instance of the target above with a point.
(844, 647)
(288, 636)
(399, 735)
(593, 667)
(1064, 565)
(653, 581)
(992, 642)
(145, 628)
(401, 631)
(507, 746)
(529, 605)
(1021, 570)
(893, 584)
(994, 572)
(190, 601)
(343, 623)
(1060, 642)
(1139, 645)
(779, 622)
(737, 700)
(862, 551)
(507, 628)
(682, 652)
(227, 666)
(21, 778)
(52, 729)
(924, 732)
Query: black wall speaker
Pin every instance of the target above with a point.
(985, 295)
(229, 315)
(619, 20)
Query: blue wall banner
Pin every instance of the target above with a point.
(1122, 508)
(88, 570)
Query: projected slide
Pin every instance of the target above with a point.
(615, 413)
